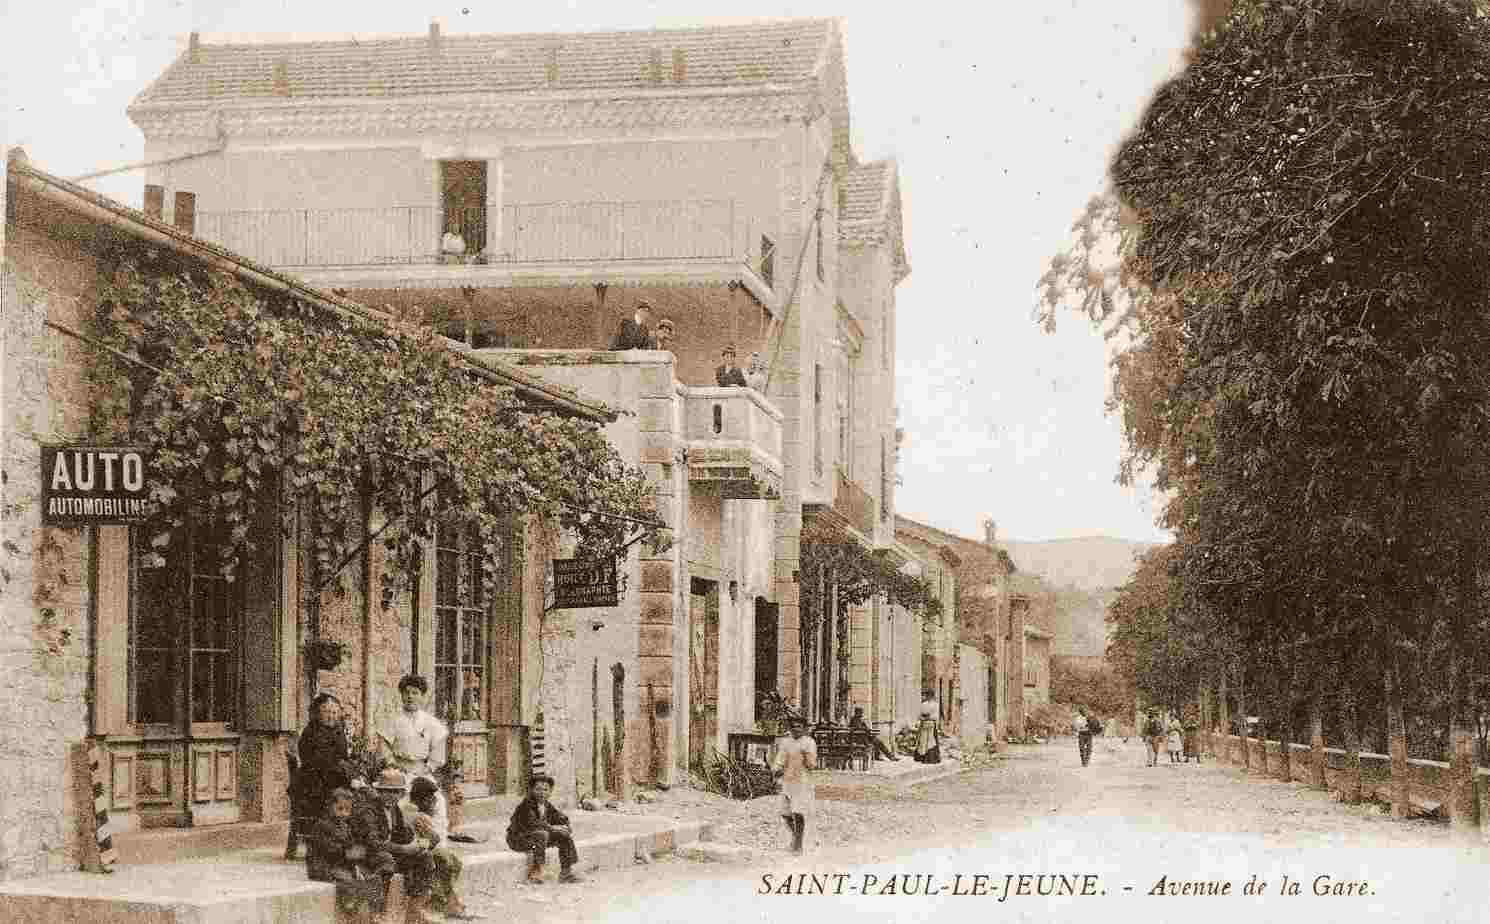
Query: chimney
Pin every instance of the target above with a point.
(194, 48)
(282, 77)
(186, 212)
(551, 65)
(680, 65)
(155, 200)
(434, 40)
(654, 66)
(990, 533)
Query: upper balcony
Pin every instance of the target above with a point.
(733, 438)
(553, 243)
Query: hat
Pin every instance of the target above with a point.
(644, 306)
(391, 778)
(540, 778)
(729, 350)
(665, 322)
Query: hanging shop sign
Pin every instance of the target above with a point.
(94, 485)
(580, 583)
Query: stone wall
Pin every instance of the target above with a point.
(976, 727)
(44, 574)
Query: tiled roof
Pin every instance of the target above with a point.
(785, 52)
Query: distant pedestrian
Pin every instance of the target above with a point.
(1192, 741)
(1153, 736)
(929, 732)
(1175, 740)
(794, 757)
(1082, 726)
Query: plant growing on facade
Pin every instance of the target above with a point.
(339, 415)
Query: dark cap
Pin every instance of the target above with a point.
(540, 778)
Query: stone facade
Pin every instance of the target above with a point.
(69, 600)
(685, 629)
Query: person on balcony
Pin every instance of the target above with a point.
(664, 336)
(634, 333)
(452, 245)
(730, 374)
(755, 372)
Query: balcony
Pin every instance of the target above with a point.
(733, 437)
(367, 247)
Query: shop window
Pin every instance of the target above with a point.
(461, 609)
(183, 611)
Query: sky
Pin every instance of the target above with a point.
(1002, 122)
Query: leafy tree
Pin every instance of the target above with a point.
(1299, 280)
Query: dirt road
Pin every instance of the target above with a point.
(1115, 839)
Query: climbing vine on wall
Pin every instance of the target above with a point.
(860, 574)
(240, 397)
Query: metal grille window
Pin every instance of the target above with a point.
(460, 625)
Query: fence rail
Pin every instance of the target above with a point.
(558, 232)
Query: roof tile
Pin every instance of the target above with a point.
(723, 56)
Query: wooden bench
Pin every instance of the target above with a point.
(841, 748)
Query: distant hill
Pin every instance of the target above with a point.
(1070, 583)
(1090, 563)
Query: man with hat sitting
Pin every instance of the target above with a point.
(730, 373)
(663, 336)
(536, 825)
(381, 826)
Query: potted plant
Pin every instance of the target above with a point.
(324, 655)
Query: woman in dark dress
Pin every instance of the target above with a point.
(324, 766)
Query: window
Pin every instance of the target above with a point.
(817, 418)
(183, 611)
(884, 481)
(821, 230)
(460, 624)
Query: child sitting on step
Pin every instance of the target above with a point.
(422, 811)
(335, 855)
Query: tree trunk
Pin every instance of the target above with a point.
(1283, 706)
(1222, 748)
(1397, 738)
(1241, 708)
(1461, 798)
(1316, 733)
(1350, 780)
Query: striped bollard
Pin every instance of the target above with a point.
(539, 765)
(103, 834)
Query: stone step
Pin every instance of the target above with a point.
(257, 884)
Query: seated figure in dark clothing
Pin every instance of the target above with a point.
(857, 723)
(634, 333)
(380, 825)
(334, 854)
(730, 373)
(323, 765)
(536, 825)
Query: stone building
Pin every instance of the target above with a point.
(527, 193)
(990, 630)
(193, 692)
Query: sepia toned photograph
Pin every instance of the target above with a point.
(497, 463)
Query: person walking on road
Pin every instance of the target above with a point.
(1176, 740)
(1153, 736)
(794, 757)
(1082, 726)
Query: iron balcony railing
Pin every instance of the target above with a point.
(558, 232)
